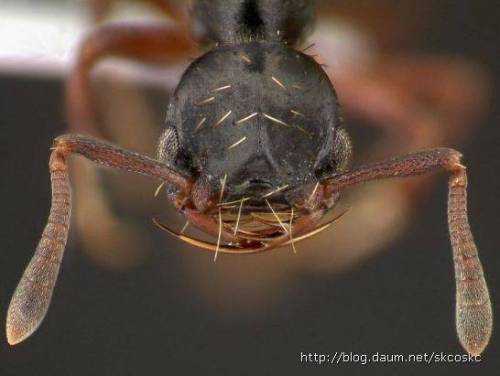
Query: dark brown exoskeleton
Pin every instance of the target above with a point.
(254, 151)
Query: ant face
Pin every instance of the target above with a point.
(251, 115)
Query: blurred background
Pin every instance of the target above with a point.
(132, 300)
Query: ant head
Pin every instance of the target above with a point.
(231, 21)
(253, 121)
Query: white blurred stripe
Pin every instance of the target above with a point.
(37, 38)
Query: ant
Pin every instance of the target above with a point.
(254, 150)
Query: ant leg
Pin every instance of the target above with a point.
(148, 43)
(401, 95)
(459, 96)
(383, 104)
(407, 125)
(32, 296)
(474, 318)
(152, 43)
(412, 117)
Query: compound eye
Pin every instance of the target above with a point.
(168, 146)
